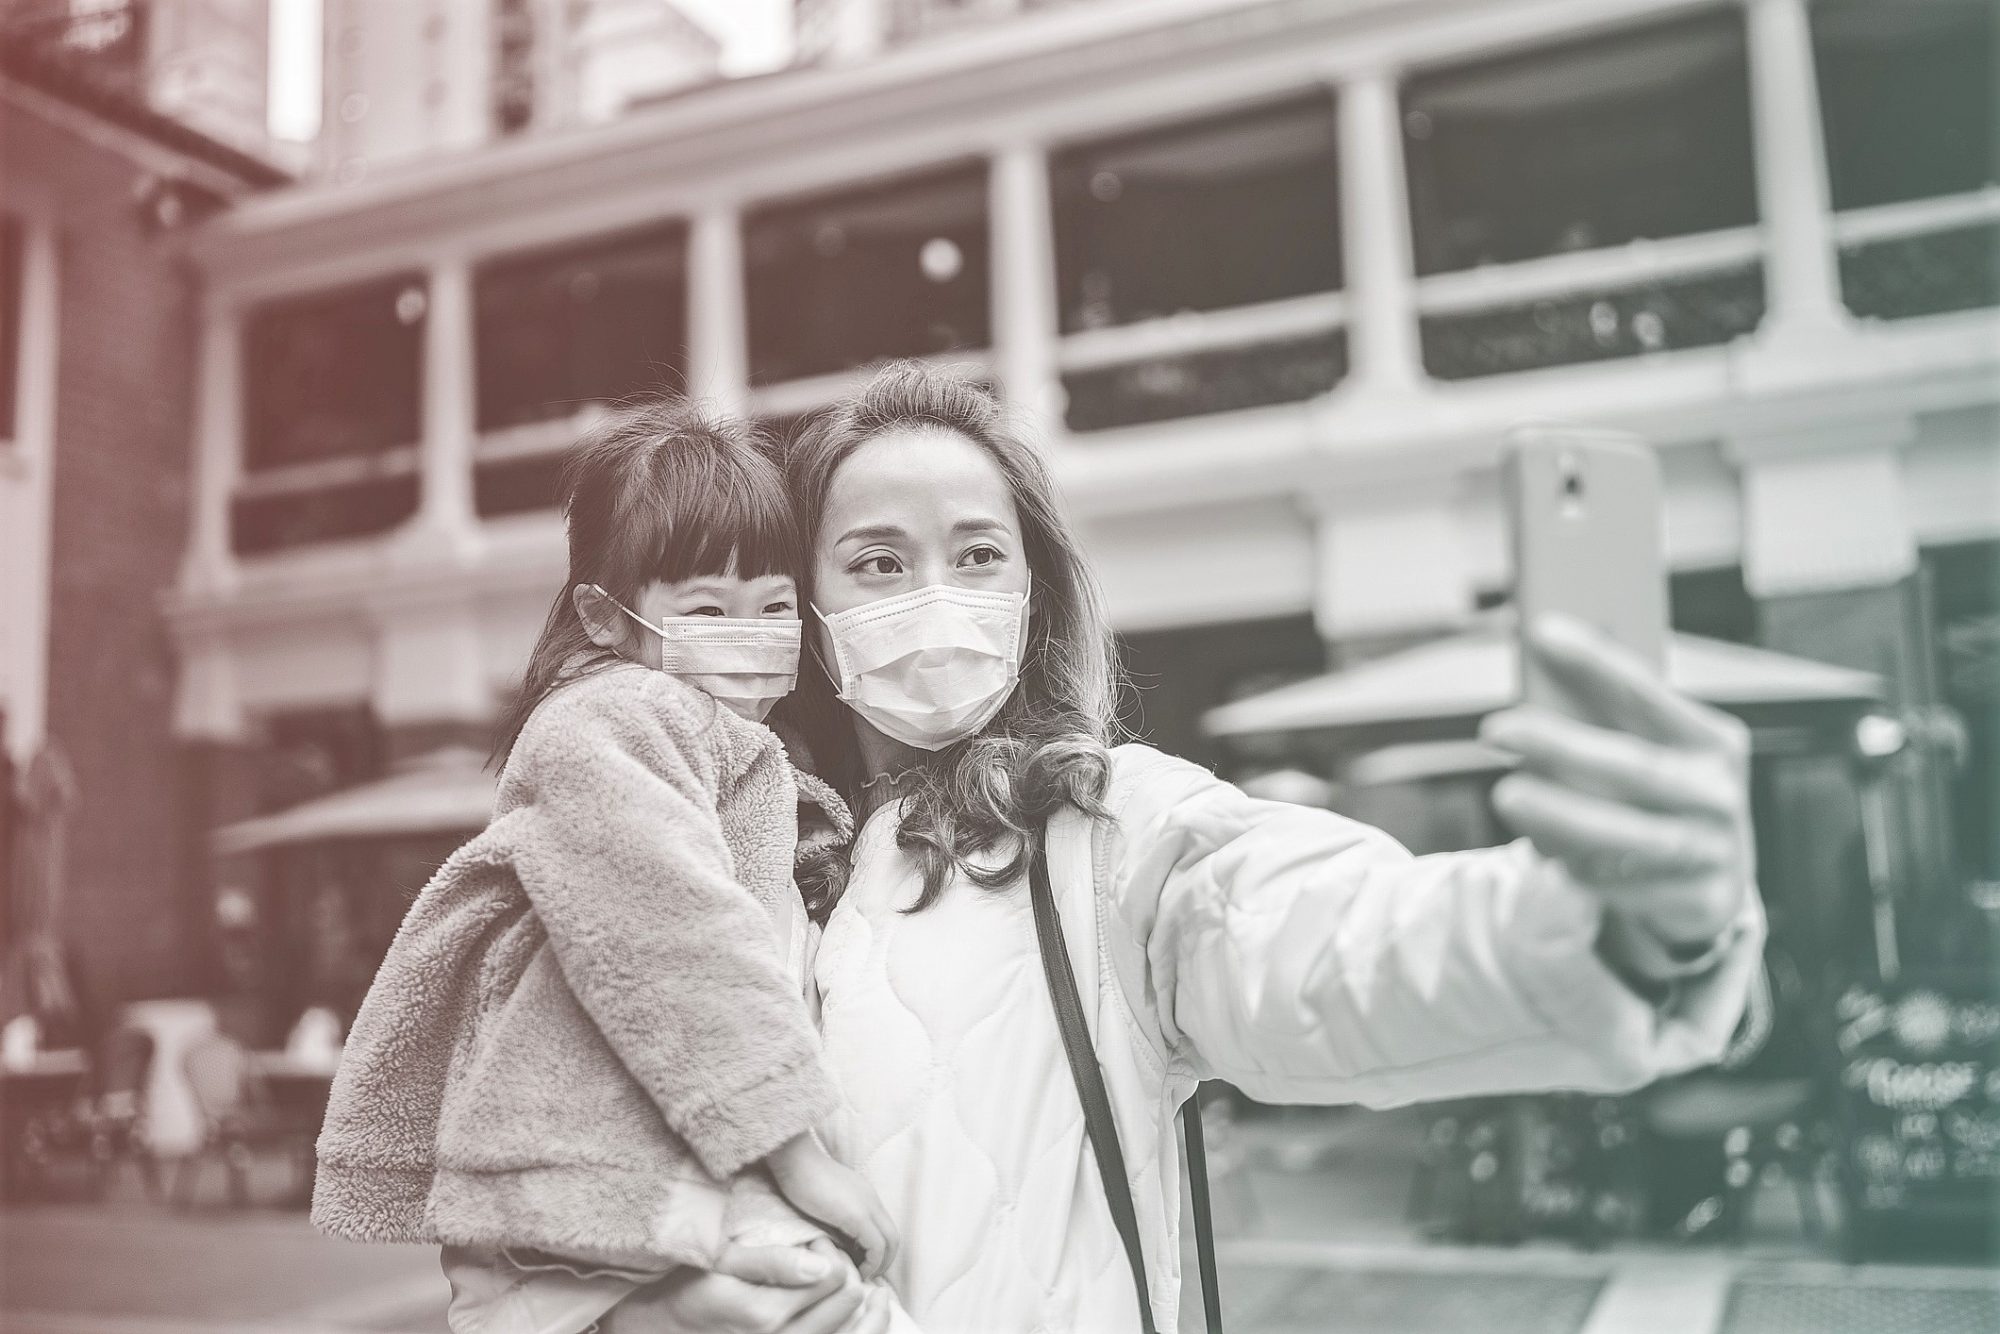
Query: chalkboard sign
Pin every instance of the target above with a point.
(1920, 1087)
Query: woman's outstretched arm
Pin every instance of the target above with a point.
(1306, 957)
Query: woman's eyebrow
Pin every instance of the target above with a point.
(979, 526)
(881, 532)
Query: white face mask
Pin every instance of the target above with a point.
(931, 666)
(747, 665)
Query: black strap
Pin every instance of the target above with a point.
(1097, 1119)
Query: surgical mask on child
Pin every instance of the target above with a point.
(747, 665)
(931, 666)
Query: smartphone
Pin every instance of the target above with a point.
(1587, 534)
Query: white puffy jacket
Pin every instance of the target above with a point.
(1299, 955)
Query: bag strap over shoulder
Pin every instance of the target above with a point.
(1098, 1123)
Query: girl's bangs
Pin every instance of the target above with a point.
(732, 522)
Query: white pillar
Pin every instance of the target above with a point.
(1376, 255)
(1391, 559)
(210, 565)
(27, 497)
(1025, 322)
(718, 331)
(1801, 270)
(1798, 474)
(445, 515)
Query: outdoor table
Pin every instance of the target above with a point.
(298, 1089)
(49, 1081)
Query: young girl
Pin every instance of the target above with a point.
(586, 1058)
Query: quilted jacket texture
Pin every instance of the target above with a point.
(1299, 955)
(584, 1030)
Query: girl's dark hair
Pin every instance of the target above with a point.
(663, 490)
(1048, 746)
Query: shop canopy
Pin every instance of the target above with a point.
(1440, 690)
(444, 792)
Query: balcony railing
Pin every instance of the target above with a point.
(1645, 297)
(1927, 257)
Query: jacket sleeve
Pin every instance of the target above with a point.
(676, 963)
(1308, 958)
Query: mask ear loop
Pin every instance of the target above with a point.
(637, 619)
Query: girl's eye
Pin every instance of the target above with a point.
(881, 563)
(708, 611)
(778, 608)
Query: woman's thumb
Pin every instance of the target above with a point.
(774, 1266)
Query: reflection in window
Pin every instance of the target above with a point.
(334, 374)
(1222, 380)
(1225, 212)
(1666, 315)
(895, 270)
(1645, 133)
(590, 323)
(10, 320)
(1908, 97)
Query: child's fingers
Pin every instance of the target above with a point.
(873, 1243)
(890, 1241)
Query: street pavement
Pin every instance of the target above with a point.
(1310, 1210)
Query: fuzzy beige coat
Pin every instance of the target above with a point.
(584, 1030)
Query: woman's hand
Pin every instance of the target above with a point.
(759, 1290)
(1647, 804)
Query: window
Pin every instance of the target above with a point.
(1908, 97)
(1203, 216)
(1965, 608)
(335, 374)
(895, 270)
(584, 323)
(1645, 133)
(10, 321)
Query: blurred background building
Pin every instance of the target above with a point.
(1271, 278)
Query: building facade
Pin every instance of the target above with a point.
(407, 79)
(97, 320)
(1271, 278)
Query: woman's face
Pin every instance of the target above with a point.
(914, 507)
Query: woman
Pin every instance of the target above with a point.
(1296, 954)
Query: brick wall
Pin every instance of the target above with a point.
(120, 508)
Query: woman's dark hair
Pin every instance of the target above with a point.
(1048, 745)
(663, 490)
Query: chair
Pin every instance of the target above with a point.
(112, 1118)
(236, 1116)
(1764, 1105)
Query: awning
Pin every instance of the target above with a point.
(1441, 689)
(444, 792)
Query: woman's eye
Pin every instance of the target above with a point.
(978, 556)
(881, 563)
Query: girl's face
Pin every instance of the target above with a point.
(914, 507)
(767, 598)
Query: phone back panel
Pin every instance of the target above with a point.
(1587, 542)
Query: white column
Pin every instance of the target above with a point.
(1801, 270)
(27, 498)
(445, 514)
(718, 330)
(210, 565)
(1376, 254)
(1796, 476)
(1025, 322)
(1391, 559)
